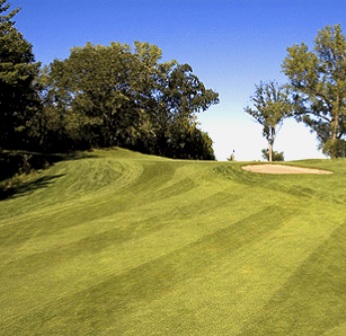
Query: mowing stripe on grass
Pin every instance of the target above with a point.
(119, 243)
(313, 300)
(148, 281)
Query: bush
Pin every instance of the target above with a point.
(335, 149)
(17, 163)
(277, 156)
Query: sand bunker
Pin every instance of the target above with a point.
(281, 169)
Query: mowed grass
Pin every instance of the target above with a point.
(119, 243)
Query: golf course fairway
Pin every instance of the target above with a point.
(120, 243)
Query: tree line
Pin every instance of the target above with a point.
(118, 95)
(100, 96)
(315, 93)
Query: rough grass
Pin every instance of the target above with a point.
(118, 243)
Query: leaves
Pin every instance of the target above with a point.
(18, 100)
(318, 80)
(271, 104)
(126, 97)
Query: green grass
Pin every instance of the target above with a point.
(119, 243)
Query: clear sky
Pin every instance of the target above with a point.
(230, 44)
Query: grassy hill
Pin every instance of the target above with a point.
(119, 243)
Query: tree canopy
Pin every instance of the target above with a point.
(18, 71)
(113, 95)
(270, 105)
(318, 81)
(102, 96)
(99, 96)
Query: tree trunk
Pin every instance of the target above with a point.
(270, 152)
(334, 129)
(271, 143)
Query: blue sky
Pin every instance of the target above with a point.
(230, 44)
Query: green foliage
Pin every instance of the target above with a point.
(16, 166)
(271, 104)
(276, 156)
(318, 80)
(191, 143)
(336, 148)
(113, 95)
(120, 243)
(13, 163)
(18, 100)
(100, 96)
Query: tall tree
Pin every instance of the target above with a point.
(318, 79)
(91, 87)
(178, 96)
(270, 105)
(18, 70)
(114, 95)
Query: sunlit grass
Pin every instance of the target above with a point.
(119, 243)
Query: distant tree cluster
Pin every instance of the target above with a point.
(116, 95)
(315, 94)
(100, 96)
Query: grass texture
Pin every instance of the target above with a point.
(119, 243)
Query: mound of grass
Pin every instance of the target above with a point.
(119, 243)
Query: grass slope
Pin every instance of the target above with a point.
(118, 243)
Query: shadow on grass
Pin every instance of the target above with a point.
(75, 156)
(22, 189)
(15, 163)
(21, 162)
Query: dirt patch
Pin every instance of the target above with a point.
(281, 169)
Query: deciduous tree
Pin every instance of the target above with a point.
(114, 95)
(270, 105)
(18, 71)
(318, 79)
